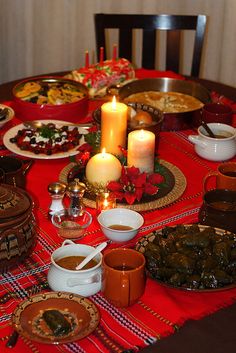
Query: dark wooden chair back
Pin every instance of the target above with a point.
(173, 24)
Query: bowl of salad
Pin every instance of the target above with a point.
(50, 97)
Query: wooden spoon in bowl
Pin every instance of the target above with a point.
(208, 130)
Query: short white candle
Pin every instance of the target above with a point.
(141, 148)
(113, 126)
(103, 167)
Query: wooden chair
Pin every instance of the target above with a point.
(173, 24)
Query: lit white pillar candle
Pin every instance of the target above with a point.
(141, 148)
(113, 126)
(103, 167)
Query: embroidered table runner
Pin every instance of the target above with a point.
(161, 310)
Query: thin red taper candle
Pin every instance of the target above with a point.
(114, 52)
(101, 58)
(86, 58)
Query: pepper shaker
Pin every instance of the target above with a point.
(75, 191)
(57, 191)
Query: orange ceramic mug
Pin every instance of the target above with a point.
(123, 276)
(225, 176)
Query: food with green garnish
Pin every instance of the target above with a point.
(47, 139)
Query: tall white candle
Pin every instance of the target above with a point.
(103, 167)
(141, 148)
(113, 126)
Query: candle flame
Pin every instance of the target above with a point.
(113, 103)
(105, 203)
(103, 150)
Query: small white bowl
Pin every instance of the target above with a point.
(121, 217)
(9, 116)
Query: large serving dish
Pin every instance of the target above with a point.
(172, 121)
(61, 109)
(200, 264)
(15, 149)
(79, 311)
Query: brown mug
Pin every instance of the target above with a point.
(14, 170)
(123, 276)
(217, 113)
(225, 177)
(219, 209)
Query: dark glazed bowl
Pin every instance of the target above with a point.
(155, 127)
(71, 112)
(172, 121)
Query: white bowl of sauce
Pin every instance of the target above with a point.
(120, 224)
(63, 276)
(220, 148)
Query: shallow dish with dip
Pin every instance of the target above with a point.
(181, 101)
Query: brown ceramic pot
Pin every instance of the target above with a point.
(17, 226)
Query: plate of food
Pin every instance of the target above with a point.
(191, 257)
(6, 114)
(54, 139)
(180, 101)
(55, 317)
(50, 97)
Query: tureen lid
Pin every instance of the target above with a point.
(13, 202)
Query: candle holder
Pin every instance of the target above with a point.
(105, 201)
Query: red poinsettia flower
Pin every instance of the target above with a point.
(82, 157)
(133, 185)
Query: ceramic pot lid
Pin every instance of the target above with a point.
(13, 202)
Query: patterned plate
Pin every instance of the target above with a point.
(82, 314)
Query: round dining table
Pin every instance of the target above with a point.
(212, 332)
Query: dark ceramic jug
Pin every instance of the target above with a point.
(219, 209)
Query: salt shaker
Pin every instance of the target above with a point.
(75, 191)
(57, 191)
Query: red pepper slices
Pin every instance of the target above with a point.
(47, 139)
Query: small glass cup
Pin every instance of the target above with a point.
(105, 201)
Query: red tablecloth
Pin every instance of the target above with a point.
(161, 310)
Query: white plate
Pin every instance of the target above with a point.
(10, 114)
(15, 149)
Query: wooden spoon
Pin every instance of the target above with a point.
(208, 130)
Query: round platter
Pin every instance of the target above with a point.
(79, 311)
(143, 242)
(15, 149)
(176, 187)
